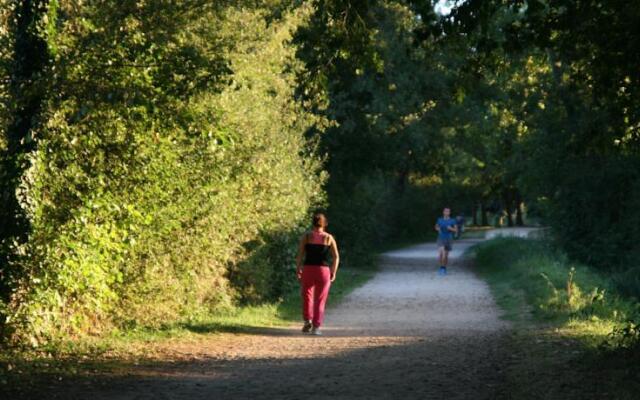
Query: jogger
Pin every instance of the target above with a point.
(445, 226)
(315, 274)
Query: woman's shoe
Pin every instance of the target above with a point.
(307, 327)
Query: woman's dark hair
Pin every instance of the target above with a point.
(319, 220)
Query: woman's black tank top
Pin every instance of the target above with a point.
(316, 252)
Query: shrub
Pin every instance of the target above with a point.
(171, 174)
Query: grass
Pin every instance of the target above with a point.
(251, 317)
(563, 315)
(476, 232)
(530, 274)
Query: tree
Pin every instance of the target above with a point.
(577, 102)
(169, 166)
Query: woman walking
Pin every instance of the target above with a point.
(315, 273)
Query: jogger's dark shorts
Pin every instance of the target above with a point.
(446, 243)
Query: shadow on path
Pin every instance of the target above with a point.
(373, 368)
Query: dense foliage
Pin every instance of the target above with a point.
(513, 107)
(387, 77)
(171, 175)
(5, 59)
(566, 75)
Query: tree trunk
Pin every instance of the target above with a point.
(27, 93)
(474, 213)
(27, 89)
(509, 216)
(507, 204)
(483, 213)
(401, 183)
(519, 218)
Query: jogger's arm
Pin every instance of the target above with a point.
(336, 259)
(303, 241)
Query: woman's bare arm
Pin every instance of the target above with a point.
(300, 255)
(336, 259)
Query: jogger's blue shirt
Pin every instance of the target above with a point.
(443, 224)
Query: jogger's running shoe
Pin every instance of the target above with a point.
(307, 327)
(316, 331)
(442, 271)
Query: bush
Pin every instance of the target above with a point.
(596, 218)
(171, 175)
(553, 287)
(5, 65)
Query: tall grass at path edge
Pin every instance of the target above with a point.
(572, 331)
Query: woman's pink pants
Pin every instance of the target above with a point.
(315, 290)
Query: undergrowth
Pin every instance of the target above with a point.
(574, 333)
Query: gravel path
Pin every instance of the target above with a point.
(408, 298)
(406, 334)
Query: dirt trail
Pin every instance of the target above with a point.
(406, 334)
